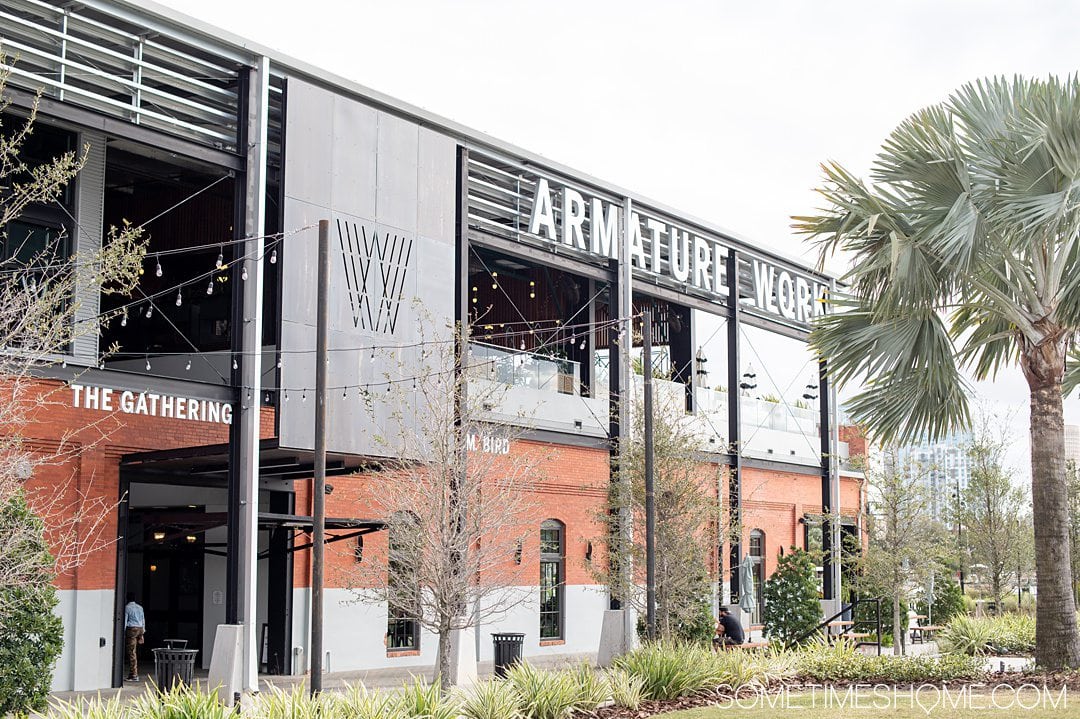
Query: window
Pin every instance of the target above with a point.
(757, 556)
(403, 605)
(552, 579)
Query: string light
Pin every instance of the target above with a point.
(188, 365)
(123, 318)
(149, 310)
(286, 395)
(179, 298)
(243, 272)
(157, 270)
(147, 364)
(210, 287)
(234, 364)
(273, 256)
(303, 397)
(220, 258)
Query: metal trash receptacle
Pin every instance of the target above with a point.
(172, 666)
(507, 650)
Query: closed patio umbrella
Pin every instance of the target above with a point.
(747, 599)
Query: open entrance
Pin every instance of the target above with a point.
(173, 518)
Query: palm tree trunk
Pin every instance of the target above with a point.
(1057, 644)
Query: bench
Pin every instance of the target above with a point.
(924, 633)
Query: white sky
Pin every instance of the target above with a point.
(721, 109)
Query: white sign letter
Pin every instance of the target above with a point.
(543, 216)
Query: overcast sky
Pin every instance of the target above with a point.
(721, 109)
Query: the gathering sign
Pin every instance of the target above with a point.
(150, 404)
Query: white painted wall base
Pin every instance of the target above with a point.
(227, 662)
(463, 657)
(87, 657)
(612, 637)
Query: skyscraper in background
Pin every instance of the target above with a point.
(943, 466)
(1072, 443)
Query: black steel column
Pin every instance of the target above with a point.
(650, 500)
(236, 327)
(734, 425)
(826, 481)
(120, 593)
(279, 593)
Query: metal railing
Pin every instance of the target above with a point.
(851, 610)
(523, 369)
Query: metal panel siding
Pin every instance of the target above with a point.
(90, 193)
(436, 207)
(355, 137)
(384, 279)
(396, 172)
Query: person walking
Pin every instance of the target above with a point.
(134, 629)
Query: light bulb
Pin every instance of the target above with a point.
(522, 345)
(582, 345)
(123, 318)
(532, 295)
(210, 287)
(234, 365)
(179, 298)
(63, 363)
(157, 270)
(147, 364)
(149, 311)
(279, 363)
(220, 260)
(188, 365)
(286, 395)
(273, 256)
(243, 272)
(303, 397)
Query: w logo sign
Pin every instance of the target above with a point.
(375, 269)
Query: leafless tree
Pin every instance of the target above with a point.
(689, 517)
(457, 504)
(992, 505)
(39, 311)
(903, 537)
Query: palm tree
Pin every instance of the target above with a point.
(966, 256)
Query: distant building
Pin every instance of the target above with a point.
(1072, 443)
(943, 466)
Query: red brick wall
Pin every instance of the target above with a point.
(87, 477)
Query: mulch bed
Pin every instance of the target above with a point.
(1052, 680)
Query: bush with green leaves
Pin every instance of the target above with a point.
(792, 607)
(1005, 634)
(31, 636)
(840, 661)
(543, 694)
(627, 690)
(948, 599)
(495, 699)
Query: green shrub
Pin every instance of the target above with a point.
(841, 662)
(294, 703)
(592, 687)
(358, 702)
(1005, 634)
(792, 608)
(421, 700)
(627, 690)
(670, 670)
(495, 699)
(701, 626)
(179, 702)
(543, 695)
(31, 636)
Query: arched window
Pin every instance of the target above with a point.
(552, 578)
(757, 556)
(403, 596)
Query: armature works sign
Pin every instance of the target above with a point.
(564, 216)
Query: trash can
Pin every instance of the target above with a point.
(507, 651)
(172, 666)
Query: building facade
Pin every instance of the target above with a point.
(943, 467)
(196, 434)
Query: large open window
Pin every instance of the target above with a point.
(403, 605)
(552, 579)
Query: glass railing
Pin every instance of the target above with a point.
(523, 369)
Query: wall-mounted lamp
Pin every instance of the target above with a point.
(358, 552)
(588, 552)
(328, 488)
(153, 567)
(190, 539)
(518, 549)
